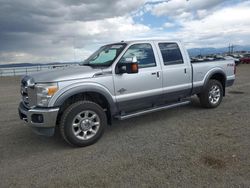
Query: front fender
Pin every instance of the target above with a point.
(59, 98)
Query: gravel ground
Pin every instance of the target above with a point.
(183, 147)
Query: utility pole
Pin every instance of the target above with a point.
(74, 48)
(232, 47)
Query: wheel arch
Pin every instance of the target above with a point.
(94, 94)
(218, 75)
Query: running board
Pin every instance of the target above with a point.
(138, 113)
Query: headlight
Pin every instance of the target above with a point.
(45, 92)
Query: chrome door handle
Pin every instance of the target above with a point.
(156, 73)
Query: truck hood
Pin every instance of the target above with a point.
(70, 73)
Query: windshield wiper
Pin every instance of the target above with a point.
(95, 65)
(85, 64)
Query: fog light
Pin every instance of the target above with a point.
(37, 118)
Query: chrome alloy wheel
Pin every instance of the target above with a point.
(85, 125)
(214, 94)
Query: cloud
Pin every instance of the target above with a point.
(66, 30)
(184, 9)
(168, 25)
(54, 30)
(67, 39)
(229, 24)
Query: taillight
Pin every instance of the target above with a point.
(234, 68)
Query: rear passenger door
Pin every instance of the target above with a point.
(177, 72)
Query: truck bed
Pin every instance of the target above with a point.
(202, 69)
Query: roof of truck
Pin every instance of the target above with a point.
(144, 41)
(150, 40)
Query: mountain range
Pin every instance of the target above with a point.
(192, 52)
(206, 51)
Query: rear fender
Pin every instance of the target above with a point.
(211, 74)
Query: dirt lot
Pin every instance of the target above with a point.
(183, 147)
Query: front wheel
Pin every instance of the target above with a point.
(212, 95)
(83, 123)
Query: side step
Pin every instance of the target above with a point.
(155, 109)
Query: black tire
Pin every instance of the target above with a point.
(204, 96)
(67, 129)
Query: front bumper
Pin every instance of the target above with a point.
(42, 120)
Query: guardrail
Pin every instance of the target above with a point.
(19, 71)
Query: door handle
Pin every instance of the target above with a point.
(156, 73)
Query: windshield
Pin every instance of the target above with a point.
(106, 55)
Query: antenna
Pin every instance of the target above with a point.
(74, 48)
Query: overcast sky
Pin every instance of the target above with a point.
(68, 30)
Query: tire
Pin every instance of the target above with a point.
(83, 123)
(212, 95)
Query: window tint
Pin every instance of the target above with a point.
(171, 53)
(144, 54)
(104, 56)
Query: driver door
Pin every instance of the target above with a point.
(143, 89)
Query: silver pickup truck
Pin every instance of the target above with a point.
(120, 80)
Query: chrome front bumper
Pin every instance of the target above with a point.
(41, 119)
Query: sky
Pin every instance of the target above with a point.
(42, 31)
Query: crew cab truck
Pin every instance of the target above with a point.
(120, 80)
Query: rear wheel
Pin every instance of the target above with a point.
(83, 123)
(212, 95)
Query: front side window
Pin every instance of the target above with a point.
(171, 53)
(144, 54)
(105, 56)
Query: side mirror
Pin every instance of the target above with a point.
(130, 67)
(131, 59)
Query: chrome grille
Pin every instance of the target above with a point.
(25, 97)
(26, 88)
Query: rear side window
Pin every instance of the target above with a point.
(171, 53)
